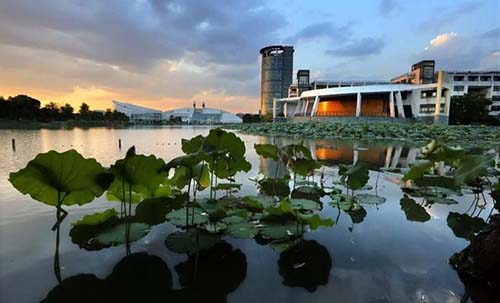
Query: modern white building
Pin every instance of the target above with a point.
(427, 102)
(484, 82)
(139, 114)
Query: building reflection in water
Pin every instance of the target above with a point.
(334, 152)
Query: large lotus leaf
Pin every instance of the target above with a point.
(221, 140)
(463, 225)
(314, 221)
(116, 234)
(472, 168)
(70, 176)
(228, 186)
(201, 174)
(413, 211)
(153, 210)
(190, 242)
(417, 170)
(355, 176)
(281, 246)
(178, 217)
(233, 219)
(305, 204)
(84, 231)
(441, 200)
(188, 160)
(267, 151)
(119, 192)
(369, 199)
(242, 230)
(342, 201)
(182, 176)
(446, 154)
(304, 167)
(279, 230)
(192, 145)
(142, 174)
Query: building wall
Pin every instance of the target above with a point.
(276, 75)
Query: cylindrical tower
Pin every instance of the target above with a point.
(276, 75)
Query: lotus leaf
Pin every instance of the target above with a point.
(190, 242)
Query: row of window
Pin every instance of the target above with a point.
(460, 88)
(429, 108)
(430, 93)
(476, 78)
(495, 108)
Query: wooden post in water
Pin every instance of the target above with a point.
(120, 143)
(13, 144)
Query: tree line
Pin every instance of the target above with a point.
(22, 107)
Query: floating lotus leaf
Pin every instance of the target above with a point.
(369, 199)
(440, 200)
(281, 246)
(214, 208)
(116, 234)
(242, 230)
(258, 202)
(275, 187)
(279, 230)
(304, 167)
(228, 186)
(190, 242)
(308, 192)
(357, 213)
(178, 217)
(473, 167)
(153, 210)
(314, 220)
(84, 231)
(233, 220)
(342, 201)
(305, 204)
(413, 211)
(463, 225)
(67, 176)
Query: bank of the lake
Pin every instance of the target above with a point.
(465, 135)
(30, 124)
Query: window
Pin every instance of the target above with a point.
(472, 78)
(427, 108)
(496, 78)
(496, 88)
(428, 94)
(458, 78)
(428, 72)
(485, 78)
(495, 108)
(458, 88)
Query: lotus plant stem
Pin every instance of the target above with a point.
(195, 275)
(187, 204)
(57, 268)
(127, 224)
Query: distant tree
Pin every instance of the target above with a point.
(84, 111)
(470, 109)
(67, 112)
(251, 118)
(50, 112)
(23, 107)
(108, 114)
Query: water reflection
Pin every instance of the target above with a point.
(306, 265)
(208, 276)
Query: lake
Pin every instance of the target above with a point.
(384, 258)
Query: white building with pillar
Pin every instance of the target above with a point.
(428, 102)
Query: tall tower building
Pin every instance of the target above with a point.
(276, 75)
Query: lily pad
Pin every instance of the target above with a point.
(278, 230)
(116, 235)
(242, 230)
(259, 202)
(153, 210)
(178, 217)
(305, 204)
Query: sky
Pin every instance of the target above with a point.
(166, 54)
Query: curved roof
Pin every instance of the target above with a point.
(203, 115)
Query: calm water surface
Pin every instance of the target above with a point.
(383, 259)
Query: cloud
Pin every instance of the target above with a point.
(453, 51)
(323, 29)
(386, 7)
(147, 50)
(446, 16)
(359, 48)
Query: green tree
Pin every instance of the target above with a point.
(470, 109)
